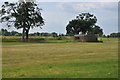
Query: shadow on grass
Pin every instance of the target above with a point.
(42, 41)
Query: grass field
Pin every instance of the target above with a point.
(60, 59)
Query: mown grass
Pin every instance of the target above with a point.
(56, 60)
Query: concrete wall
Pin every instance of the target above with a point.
(88, 38)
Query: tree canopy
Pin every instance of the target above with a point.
(23, 15)
(96, 30)
(84, 23)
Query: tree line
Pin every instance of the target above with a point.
(4, 32)
(114, 35)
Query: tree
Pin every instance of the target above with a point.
(12, 33)
(72, 27)
(23, 15)
(54, 34)
(83, 23)
(114, 35)
(4, 32)
(37, 34)
(45, 34)
(96, 30)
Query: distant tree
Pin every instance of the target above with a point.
(54, 34)
(12, 33)
(23, 14)
(18, 34)
(104, 35)
(96, 30)
(118, 34)
(45, 34)
(31, 34)
(107, 36)
(36, 34)
(83, 23)
(61, 35)
(4, 32)
(114, 35)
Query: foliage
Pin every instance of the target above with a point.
(23, 15)
(96, 30)
(83, 23)
(4, 32)
(54, 34)
(114, 35)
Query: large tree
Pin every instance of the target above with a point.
(83, 23)
(23, 15)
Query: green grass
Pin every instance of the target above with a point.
(68, 70)
(56, 60)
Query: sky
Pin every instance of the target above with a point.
(57, 15)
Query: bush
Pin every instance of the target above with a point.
(59, 38)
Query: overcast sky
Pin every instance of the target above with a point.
(58, 14)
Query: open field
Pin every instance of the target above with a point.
(61, 59)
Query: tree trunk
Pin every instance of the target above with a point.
(77, 32)
(27, 31)
(27, 36)
(23, 34)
